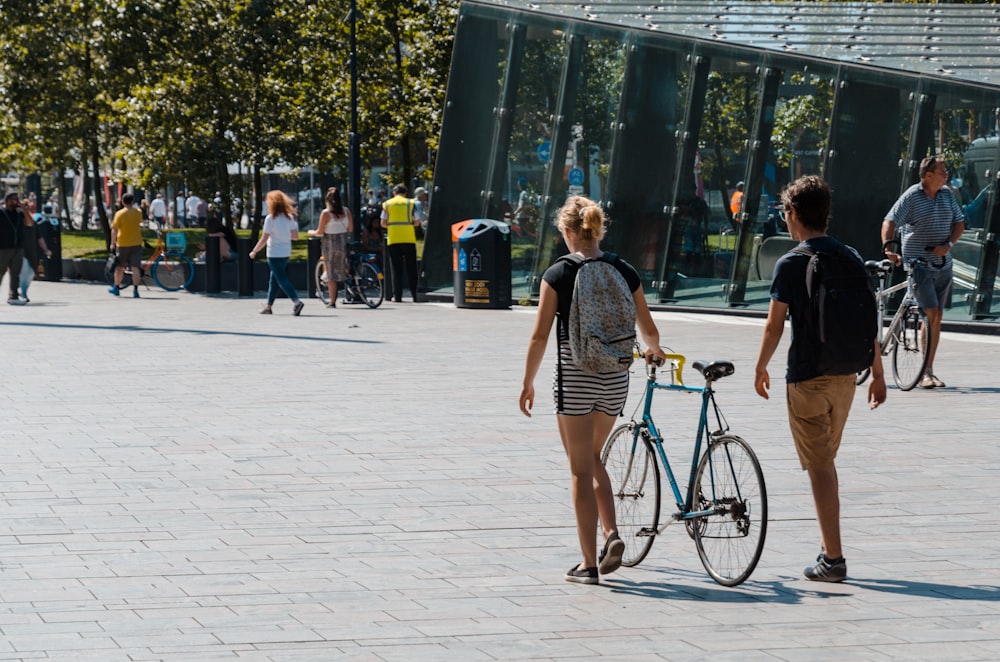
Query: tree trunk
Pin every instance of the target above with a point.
(102, 213)
(258, 184)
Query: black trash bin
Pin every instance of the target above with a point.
(482, 263)
(49, 268)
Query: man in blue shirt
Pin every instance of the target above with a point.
(930, 222)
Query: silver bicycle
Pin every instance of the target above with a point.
(906, 337)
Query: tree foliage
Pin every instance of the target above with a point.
(159, 92)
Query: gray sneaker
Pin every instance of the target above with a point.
(610, 558)
(579, 575)
(827, 570)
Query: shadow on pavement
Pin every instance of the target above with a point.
(197, 332)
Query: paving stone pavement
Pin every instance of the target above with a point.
(184, 479)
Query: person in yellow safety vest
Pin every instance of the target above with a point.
(399, 220)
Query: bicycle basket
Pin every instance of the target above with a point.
(176, 242)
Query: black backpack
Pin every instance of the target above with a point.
(842, 323)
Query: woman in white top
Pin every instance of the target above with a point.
(280, 230)
(335, 226)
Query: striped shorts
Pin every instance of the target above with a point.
(584, 392)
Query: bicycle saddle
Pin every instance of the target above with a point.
(714, 370)
(875, 266)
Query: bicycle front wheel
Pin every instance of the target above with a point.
(322, 284)
(730, 483)
(635, 486)
(369, 280)
(173, 271)
(909, 356)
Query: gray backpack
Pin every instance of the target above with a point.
(601, 320)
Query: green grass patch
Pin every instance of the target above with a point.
(90, 244)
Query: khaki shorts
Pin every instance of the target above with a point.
(817, 413)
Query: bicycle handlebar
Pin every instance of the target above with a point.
(676, 369)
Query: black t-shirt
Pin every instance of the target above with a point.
(789, 287)
(11, 228)
(561, 276)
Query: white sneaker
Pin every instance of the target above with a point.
(927, 381)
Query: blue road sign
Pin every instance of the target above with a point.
(544, 151)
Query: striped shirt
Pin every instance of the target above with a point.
(924, 221)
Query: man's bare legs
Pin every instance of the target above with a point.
(934, 316)
(826, 495)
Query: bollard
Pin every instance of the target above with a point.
(244, 272)
(213, 265)
(314, 254)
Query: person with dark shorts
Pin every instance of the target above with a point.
(930, 223)
(126, 237)
(586, 403)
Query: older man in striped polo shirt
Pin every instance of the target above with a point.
(930, 222)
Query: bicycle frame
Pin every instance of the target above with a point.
(684, 502)
(887, 335)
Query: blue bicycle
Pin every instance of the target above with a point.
(724, 508)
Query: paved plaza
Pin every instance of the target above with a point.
(184, 479)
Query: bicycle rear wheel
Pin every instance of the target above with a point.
(635, 486)
(862, 376)
(370, 282)
(731, 539)
(173, 271)
(909, 356)
(109, 275)
(322, 285)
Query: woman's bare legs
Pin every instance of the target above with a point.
(583, 438)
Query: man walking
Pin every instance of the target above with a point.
(930, 222)
(13, 221)
(399, 220)
(126, 236)
(818, 403)
(158, 210)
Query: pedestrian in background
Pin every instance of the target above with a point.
(280, 229)
(158, 211)
(587, 404)
(126, 238)
(32, 242)
(335, 226)
(400, 222)
(818, 403)
(930, 222)
(14, 219)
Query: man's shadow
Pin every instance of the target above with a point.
(676, 585)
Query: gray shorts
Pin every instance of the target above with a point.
(932, 286)
(130, 256)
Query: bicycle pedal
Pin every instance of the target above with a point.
(645, 532)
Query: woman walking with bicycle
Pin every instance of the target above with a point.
(586, 403)
(335, 224)
(280, 230)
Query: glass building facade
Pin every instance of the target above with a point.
(662, 112)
